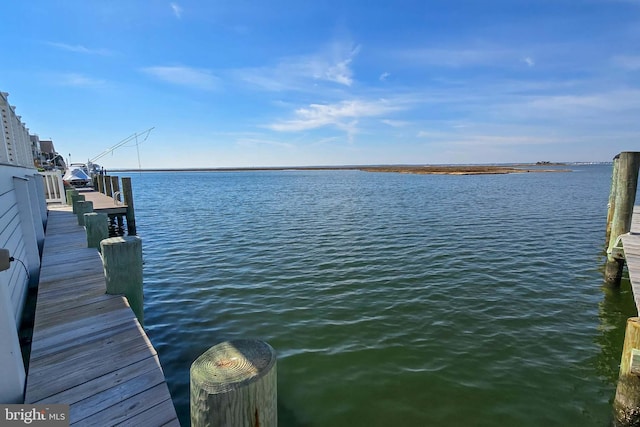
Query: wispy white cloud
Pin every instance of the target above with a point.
(338, 68)
(253, 142)
(583, 105)
(79, 49)
(343, 115)
(627, 62)
(395, 123)
(185, 76)
(461, 57)
(384, 76)
(515, 121)
(455, 57)
(78, 80)
(333, 65)
(485, 140)
(177, 10)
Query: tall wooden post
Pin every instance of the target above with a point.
(70, 193)
(97, 227)
(75, 197)
(122, 259)
(101, 184)
(83, 208)
(625, 195)
(626, 405)
(612, 200)
(234, 383)
(107, 186)
(128, 200)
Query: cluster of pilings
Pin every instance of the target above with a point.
(110, 187)
(624, 184)
(234, 383)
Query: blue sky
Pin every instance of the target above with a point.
(294, 83)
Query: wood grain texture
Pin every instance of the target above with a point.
(88, 348)
(631, 245)
(234, 383)
(122, 258)
(626, 405)
(622, 203)
(102, 203)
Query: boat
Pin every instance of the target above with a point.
(75, 176)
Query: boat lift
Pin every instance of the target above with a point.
(135, 136)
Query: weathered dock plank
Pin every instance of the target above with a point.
(88, 349)
(70, 341)
(102, 203)
(631, 245)
(126, 409)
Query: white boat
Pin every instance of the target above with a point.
(75, 176)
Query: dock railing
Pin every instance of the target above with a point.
(54, 191)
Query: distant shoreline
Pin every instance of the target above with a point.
(409, 169)
(463, 170)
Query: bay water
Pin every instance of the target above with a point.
(391, 299)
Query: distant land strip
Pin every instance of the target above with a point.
(461, 170)
(412, 169)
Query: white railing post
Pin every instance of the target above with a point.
(54, 187)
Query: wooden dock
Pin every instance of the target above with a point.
(102, 203)
(631, 244)
(88, 349)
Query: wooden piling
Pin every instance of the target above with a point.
(70, 193)
(234, 383)
(83, 207)
(107, 186)
(101, 184)
(625, 186)
(75, 197)
(122, 259)
(626, 405)
(128, 200)
(612, 200)
(97, 227)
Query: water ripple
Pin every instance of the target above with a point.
(389, 298)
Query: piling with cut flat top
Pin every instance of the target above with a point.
(612, 200)
(70, 193)
(101, 183)
(122, 259)
(82, 208)
(107, 186)
(75, 198)
(97, 226)
(234, 383)
(626, 405)
(621, 210)
(127, 192)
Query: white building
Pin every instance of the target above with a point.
(23, 213)
(36, 151)
(15, 143)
